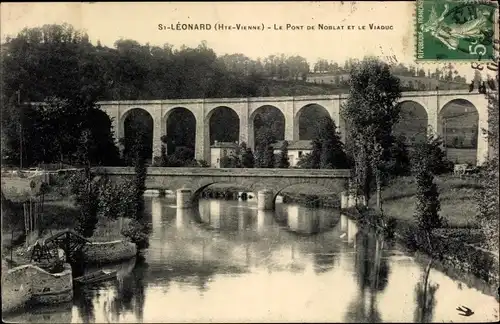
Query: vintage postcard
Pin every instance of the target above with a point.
(236, 162)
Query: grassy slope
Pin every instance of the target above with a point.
(328, 78)
(456, 196)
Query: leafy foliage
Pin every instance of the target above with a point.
(116, 200)
(264, 153)
(86, 193)
(332, 155)
(435, 155)
(371, 111)
(487, 198)
(427, 196)
(247, 158)
(138, 233)
(141, 171)
(230, 161)
(283, 161)
(397, 159)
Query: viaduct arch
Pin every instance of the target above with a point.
(432, 101)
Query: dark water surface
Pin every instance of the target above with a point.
(230, 262)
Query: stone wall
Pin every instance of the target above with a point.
(107, 252)
(196, 179)
(29, 283)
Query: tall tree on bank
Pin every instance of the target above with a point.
(246, 156)
(371, 112)
(283, 162)
(264, 151)
(487, 197)
(428, 205)
(332, 155)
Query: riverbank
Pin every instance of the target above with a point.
(28, 285)
(61, 215)
(453, 255)
(458, 205)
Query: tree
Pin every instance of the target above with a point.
(230, 161)
(283, 162)
(332, 155)
(436, 157)
(487, 198)
(371, 112)
(427, 197)
(86, 192)
(313, 161)
(246, 156)
(138, 229)
(140, 177)
(264, 151)
(398, 159)
(305, 161)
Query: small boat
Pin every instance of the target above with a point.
(97, 276)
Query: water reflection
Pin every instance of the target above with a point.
(130, 293)
(308, 221)
(372, 272)
(61, 313)
(425, 298)
(229, 262)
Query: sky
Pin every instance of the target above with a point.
(109, 22)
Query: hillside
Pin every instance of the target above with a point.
(408, 82)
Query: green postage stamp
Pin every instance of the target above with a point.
(455, 30)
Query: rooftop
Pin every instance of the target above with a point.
(294, 145)
(218, 144)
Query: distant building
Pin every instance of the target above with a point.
(296, 149)
(221, 149)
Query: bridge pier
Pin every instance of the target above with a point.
(184, 198)
(351, 199)
(265, 200)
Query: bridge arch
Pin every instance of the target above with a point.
(226, 116)
(132, 121)
(266, 115)
(180, 129)
(336, 187)
(306, 120)
(458, 124)
(276, 186)
(413, 122)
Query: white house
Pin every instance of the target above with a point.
(221, 149)
(296, 149)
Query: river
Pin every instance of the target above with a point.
(229, 262)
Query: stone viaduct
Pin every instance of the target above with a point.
(291, 107)
(267, 183)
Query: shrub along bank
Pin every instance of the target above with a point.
(449, 247)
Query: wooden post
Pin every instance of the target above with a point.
(11, 242)
(67, 246)
(26, 229)
(31, 215)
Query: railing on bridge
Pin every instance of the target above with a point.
(228, 172)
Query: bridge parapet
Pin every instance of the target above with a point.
(232, 172)
(268, 182)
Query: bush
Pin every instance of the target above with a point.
(203, 163)
(116, 200)
(86, 193)
(138, 233)
(438, 163)
(427, 204)
(230, 162)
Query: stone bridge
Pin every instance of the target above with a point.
(430, 102)
(267, 183)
